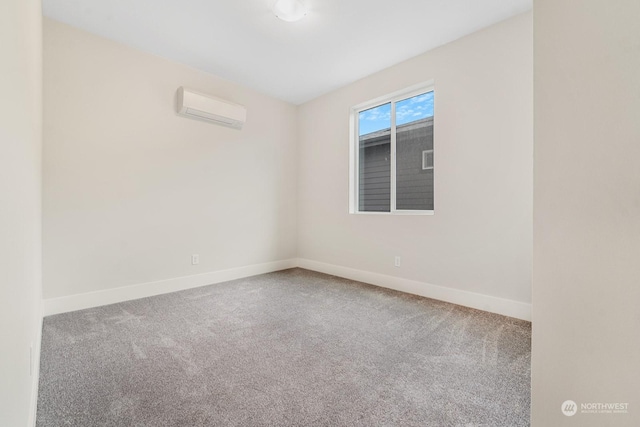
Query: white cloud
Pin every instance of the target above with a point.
(378, 113)
(419, 99)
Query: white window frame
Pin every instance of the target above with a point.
(354, 152)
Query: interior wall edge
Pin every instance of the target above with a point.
(35, 378)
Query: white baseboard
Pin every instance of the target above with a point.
(35, 374)
(488, 303)
(506, 307)
(143, 290)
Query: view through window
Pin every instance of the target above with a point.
(395, 155)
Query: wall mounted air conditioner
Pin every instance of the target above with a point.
(208, 108)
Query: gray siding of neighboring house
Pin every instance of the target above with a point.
(414, 186)
(375, 175)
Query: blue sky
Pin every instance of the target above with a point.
(407, 111)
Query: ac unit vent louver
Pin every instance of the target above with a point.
(211, 109)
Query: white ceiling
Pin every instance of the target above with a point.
(338, 42)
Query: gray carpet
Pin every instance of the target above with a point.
(292, 348)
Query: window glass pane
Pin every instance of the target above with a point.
(374, 126)
(414, 167)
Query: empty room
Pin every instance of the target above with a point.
(319, 213)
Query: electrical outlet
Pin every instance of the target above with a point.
(397, 261)
(195, 259)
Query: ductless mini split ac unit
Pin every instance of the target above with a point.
(210, 109)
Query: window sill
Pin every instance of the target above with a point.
(397, 213)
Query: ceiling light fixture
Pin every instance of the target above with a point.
(289, 10)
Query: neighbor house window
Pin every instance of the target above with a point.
(392, 155)
(427, 159)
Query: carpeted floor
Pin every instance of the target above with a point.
(292, 348)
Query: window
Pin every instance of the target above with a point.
(392, 156)
(427, 159)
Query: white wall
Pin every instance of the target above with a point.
(479, 239)
(20, 174)
(586, 288)
(131, 190)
